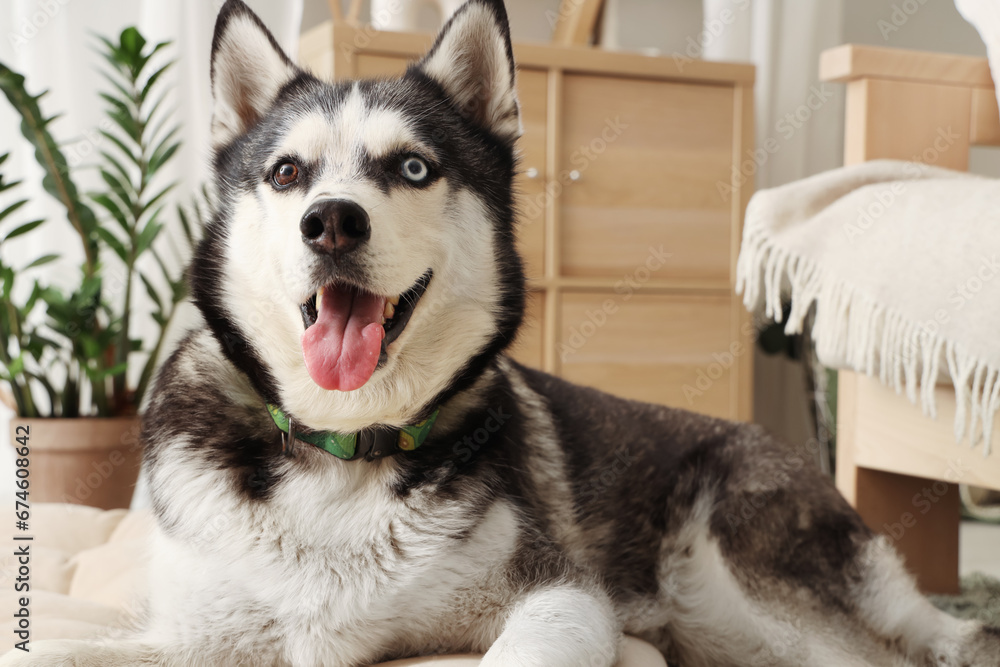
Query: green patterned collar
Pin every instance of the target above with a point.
(369, 443)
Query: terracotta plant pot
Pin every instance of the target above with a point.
(86, 461)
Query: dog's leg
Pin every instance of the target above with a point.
(562, 626)
(889, 603)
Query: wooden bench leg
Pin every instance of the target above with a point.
(920, 516)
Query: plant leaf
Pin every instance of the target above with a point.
(96, 374)
(147, 236)
(13, 207)
(57, 181)
(29, 305)
(112, 242)
(128, 152)
(23, 229)
(41, 261)
(185, 225)
(151, 291)
(7, 186)
(151, 81)
(119, 105)
(112, 78)
(109, 205)
(161, 157)
(157, 197)
(16, 366)
(124, 190)
(151, 113)
(118, 166)
(132, 42)
(127, 124)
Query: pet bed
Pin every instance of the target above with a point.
(88, 570)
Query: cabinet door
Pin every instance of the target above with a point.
(532, 90)
(667, 349)
(653, 163)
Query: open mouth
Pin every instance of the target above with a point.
(347, 331)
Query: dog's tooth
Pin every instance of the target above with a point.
(319, 299)
(390, 310)
(394, 300)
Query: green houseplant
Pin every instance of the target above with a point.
(66, 354)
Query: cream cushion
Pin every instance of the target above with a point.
(88, 566)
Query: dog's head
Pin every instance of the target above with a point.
(361, 262)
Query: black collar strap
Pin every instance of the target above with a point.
(370, 443)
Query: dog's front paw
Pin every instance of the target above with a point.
(70, 653)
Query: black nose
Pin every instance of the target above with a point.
(335, 226)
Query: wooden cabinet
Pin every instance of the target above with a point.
(649, 156)
(631, 200)
(610, 343)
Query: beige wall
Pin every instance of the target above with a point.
(930, 25)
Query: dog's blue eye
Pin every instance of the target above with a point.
(414, 169)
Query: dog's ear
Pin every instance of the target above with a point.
(248, 71)
(473, 61)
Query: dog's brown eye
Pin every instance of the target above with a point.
(285, 174)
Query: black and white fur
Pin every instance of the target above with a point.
(541, 520)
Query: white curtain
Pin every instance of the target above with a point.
(799, 133)
(784, 39)
(52, 43)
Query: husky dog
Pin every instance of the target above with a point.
(345, 468)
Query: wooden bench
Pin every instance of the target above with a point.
(899, 468)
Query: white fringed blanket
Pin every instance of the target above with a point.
(903, 264)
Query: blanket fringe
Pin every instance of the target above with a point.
(872, 338)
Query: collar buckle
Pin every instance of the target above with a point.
(376, 443)
(288, 440)
(368, 444)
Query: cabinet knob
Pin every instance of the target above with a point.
(575, 175)
(531, 173)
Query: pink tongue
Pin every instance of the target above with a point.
(341, 349)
